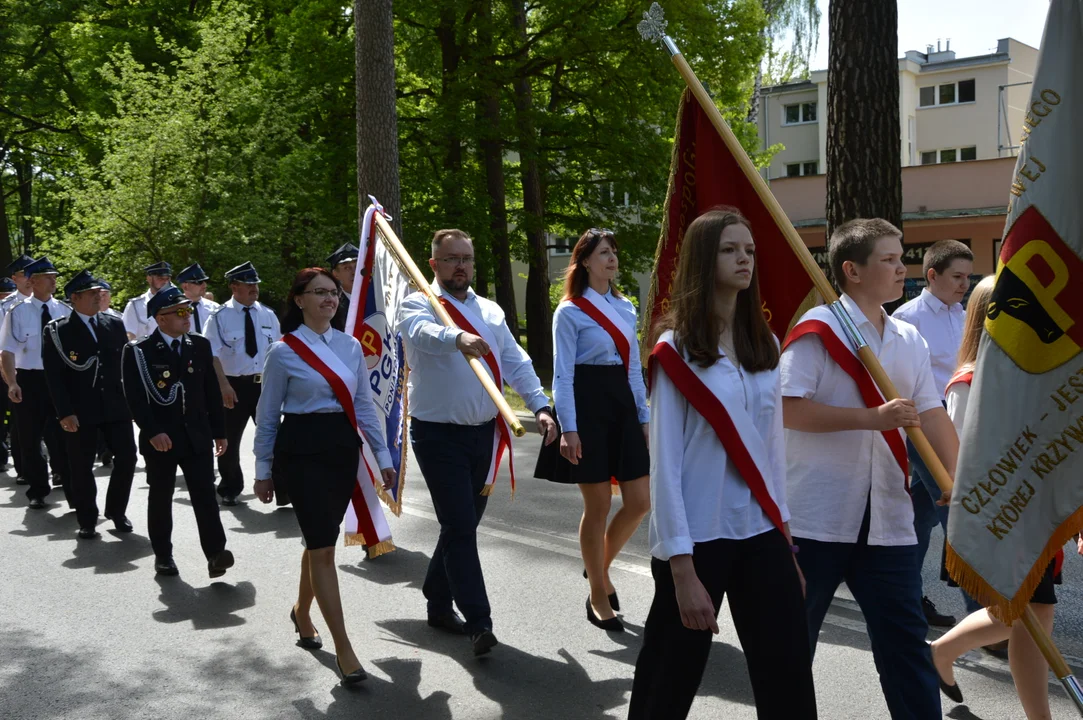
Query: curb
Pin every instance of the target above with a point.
(529, 422)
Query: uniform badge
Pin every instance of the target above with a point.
(72, 355)
(161, 384)
(165, 374)
(191, 369)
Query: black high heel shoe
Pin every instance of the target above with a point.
(309, 643)
(613, 624)
(614, 601)
(353, 678)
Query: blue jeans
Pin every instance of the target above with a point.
(886, 582)
(455, 460)
(924, 493)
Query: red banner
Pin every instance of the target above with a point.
(704, 174)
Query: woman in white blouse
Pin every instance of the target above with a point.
(318, 450)
(601, 404)
(719, 521)
(1029, 669)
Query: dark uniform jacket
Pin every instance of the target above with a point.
(94, 395)
(338, 322)
(196, 417)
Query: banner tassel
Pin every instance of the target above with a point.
(487, 490)
(381, 548)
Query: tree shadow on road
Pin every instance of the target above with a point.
(402, 567)
(525, 686)
(109, 557)
(214, 606)
(378, 698)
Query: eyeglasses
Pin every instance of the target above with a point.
(454, 260)
(180, 312)
(321, 293)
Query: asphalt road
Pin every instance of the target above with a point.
(87, 630)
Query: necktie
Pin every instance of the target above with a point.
(45, 316)
(94, 328)
(195, 314)
(176, 346)
(249, 334)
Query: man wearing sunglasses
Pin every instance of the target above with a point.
(193, 281)
(173, 393)
(343, 265)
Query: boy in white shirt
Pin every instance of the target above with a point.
(851, 514)
(939, 316)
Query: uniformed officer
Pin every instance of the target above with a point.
(7, 288)
(240, 333)
(20, 361)
(81, 354)
(14, 270)
(174, 397)
(137, 322)
(107, 299)
(193, 281)
(343, 265)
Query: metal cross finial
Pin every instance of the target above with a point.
(652, 28)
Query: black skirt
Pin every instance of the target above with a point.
(318, 453)
(609, 430)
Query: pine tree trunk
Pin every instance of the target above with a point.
(7, 253)
(492, 152)
(538, 315)
(863, 137)
(24, 175)
(377, 121)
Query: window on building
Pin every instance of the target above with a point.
(968, 153)
(810, 168)
(793, 170)
(801, 169)
(949, 155)
(954, 93)
(799, 113)
(928, 158)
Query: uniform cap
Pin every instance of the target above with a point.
(345, 253)
(83, 281)
(41, 266)
(168, 297)
(7, 285)
(192, 273)
(18, 265)
(244, 273)
(158, 268)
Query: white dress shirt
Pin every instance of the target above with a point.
(830, 475)
(225, 331)
(442, 386)
(292, 386)
(958, 397)
(21, 332)
(136, 321)
(204, 308)
(942, 327)
(697, 495)
(86, 321)
(9, 302)
(579, 340)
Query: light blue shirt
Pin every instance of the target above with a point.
(86, 321)
(292, 386)
(578, 340)
(442, 386)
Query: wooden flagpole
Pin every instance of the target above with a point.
(402, 257)
(652, 28)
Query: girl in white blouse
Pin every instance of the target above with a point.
(1029, 669)
(719, 521)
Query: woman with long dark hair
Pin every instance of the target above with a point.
(601, 405)
(719, 525)
(317, 446)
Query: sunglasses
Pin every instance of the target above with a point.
(179, 312)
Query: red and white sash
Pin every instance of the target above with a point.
(735, 430)
(839, 351)
(600, 311)
(364, 517)
(469, 321)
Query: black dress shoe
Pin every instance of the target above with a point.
(614, 601)
(230, 500)
(217, 565)
(933, 617)
(613, 624)
(37, 504)
(309, 643)
(483, 641)
(88, 533)
(106, 460)
(120, 522)
(165, 566)
(353, 678)
(448, 622)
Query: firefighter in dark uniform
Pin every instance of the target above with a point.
(81, 355)
(343, 265)
(173, 394)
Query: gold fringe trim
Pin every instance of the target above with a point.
(488, 490)
(1005, 609)
(354, 539)
(647, 338)
(395, 506)
(381, 548)
(811, 300)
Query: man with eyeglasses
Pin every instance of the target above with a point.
(240, 333)
(454, 430)
(81, 357)
(343, 265)
(136, 321)
(193, 281)
(173, 394)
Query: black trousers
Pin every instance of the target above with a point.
(82, 447)
(455, 460)
(759, 578)
(37, 421)
(198, 470)
(231, 479)
(5, 412)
